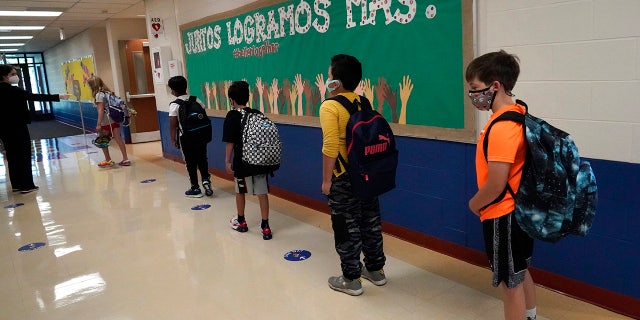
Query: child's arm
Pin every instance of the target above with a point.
(496, 181)
(173, 128)
(227, 157)
(328, 163)
(100, 107)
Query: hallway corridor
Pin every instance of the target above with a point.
(125, 243)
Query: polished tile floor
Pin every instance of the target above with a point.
(124, 243)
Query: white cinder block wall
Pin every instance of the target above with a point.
(580, 66)
(580, 62)
(174, 14)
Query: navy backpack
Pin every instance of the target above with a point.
(371, 149)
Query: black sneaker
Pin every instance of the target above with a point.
(194, 192)
(29, 190)
(206, 184)
(266, 233)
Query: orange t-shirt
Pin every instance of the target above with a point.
(506, 144)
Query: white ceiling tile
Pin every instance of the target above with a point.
(77, 16)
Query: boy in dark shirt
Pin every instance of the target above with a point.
(245, 181)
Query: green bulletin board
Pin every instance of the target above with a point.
(411, 52)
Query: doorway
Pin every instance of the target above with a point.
(138, 84)
(33, 78)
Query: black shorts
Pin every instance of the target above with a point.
(508, 248)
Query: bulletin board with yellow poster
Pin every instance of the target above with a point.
(76, 73)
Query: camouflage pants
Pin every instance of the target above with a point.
(357, 229)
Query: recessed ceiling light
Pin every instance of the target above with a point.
(8, 50)
(3, 28)
(30, 13)
(11, 44)
(15, 37)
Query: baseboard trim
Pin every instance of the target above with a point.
(610, 300)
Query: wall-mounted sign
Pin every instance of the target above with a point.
(156, 27)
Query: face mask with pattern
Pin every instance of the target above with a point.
(482, 99)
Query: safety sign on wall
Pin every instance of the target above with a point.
(156, 27)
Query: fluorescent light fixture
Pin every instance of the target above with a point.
(8, 50)
(2, 28)
(16, 37)
(11, 44)
(30, 13)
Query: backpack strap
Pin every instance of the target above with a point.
(181, 104)
(352, 107)
(507, 116)
(245, 116)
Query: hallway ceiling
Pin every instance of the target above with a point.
(77, 16)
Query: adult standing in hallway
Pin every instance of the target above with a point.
(14, 131)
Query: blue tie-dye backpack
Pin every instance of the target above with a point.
(558, 192)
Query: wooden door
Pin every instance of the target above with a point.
(139, 91)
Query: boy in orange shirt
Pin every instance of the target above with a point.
(491, 77)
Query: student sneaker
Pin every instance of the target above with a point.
(106, 164)
(266, 234)
(206, 184)
(237, 226)
(29, 190)
(376, 277)
(342, 284)
(194, 192)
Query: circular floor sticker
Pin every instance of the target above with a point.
(297, 255)
(32, 246)
(201, 207)
(148, 181)
(15, 205)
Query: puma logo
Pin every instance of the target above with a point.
(378, 147)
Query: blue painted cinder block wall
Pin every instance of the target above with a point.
(435, 181)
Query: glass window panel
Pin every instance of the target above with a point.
(140, 72)
(35, 57)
